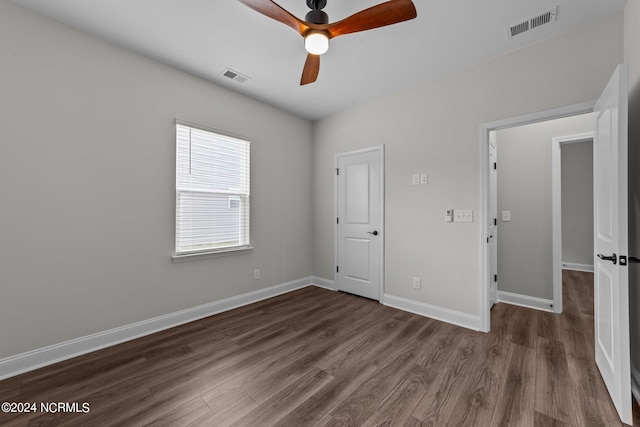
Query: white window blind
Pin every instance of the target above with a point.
(212, 191)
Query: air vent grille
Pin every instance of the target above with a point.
(235, 76)
(518, 28)
(539, 20)
(545, 18)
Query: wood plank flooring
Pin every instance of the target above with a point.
(320, 358)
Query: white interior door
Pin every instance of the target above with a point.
(611, 293)
(359, 227)
(492, 239)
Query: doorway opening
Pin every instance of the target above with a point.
(527, 197)
(572, 207)
(497, 219)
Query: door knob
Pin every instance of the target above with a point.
(374, 232)
(634, 260)
(613, 258)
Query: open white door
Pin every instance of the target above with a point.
(359, 224)
(611, 293)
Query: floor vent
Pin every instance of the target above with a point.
(539, 20)
(235, 76)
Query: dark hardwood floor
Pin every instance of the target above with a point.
(316, 357)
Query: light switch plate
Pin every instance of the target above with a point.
(461, 215)
(415, 179)
(506, 216)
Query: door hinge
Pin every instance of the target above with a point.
(337, 269)
(495, 165)
(337, 171)
(337, 220)
(495, 221)
(495, 277)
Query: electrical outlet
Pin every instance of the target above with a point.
(506, 216)
(415, 179)
(416, 283)
(424, 178)
(256, 274)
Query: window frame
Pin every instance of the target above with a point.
(187, 255)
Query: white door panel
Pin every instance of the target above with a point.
(357, 183)
(605, 331)
(611, 277)
(359, 232)
(356, 259)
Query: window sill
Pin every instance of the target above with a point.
(212, 254)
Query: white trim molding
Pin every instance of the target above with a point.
(25, 362)
(35, 359)
(212, 254)
(578, 267)
(438, 313)
(321, 282)
(635, 383)
(526, 301)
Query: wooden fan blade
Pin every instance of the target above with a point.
(274, 11)
(384, 14)
(310, 70)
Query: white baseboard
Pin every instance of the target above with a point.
(21, 363)
(25, 362)
(443, 314)
(577, 267)
(323, 283)
(635, 383)
(526, 301)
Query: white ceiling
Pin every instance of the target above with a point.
(204, 37)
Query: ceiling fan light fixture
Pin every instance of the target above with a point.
(317, 31)
(316, 43)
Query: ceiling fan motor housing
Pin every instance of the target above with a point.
(317, 17)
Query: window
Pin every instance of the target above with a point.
(212, 191)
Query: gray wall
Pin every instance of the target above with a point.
(525, 244)
(87, 179)
(434, 128)
(577, 203)
(632, 58)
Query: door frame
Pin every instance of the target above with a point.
(485, 128)
(492, 262)
(380, 150)
(556, 208)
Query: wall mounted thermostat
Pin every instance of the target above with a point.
(449, 215)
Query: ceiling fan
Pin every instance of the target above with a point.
(317, 31)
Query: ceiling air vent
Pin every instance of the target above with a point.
(539, 20)
(235, 76)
